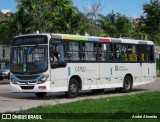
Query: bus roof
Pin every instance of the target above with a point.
(100, 39)
(92, 38)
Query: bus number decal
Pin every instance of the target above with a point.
(80, 69)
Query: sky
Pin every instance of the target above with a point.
(130, 8)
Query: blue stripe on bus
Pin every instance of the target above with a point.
(111, 71)
(93, 39)
(69, 71)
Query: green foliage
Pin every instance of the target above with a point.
(58, 16)
(115, 25)
(4, 33)
(152, 19)
(157, 64)
(50, 16)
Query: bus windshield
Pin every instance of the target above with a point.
(29, 59)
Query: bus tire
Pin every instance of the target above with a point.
(127, 85)
(73, 88)
(41, 94)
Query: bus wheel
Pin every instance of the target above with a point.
(41, 94)
(73, 89)
(127, 86)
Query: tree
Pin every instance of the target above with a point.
(52, 15)
(4, 33)
(91, 13)
(152, 19)
(114, 25)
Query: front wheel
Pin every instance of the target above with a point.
(73, 89)
(41, 94)
(127, 86)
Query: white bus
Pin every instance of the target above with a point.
(42, 63)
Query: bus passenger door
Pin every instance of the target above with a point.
(148, 70)
(58, 68)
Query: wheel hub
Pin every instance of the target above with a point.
(73, 88)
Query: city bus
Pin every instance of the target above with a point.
(42, 63)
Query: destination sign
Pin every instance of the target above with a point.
(29, 40)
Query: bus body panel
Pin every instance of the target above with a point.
(88, 72)
(114, 73)
(148, 73)
(103, 76)
(59, 79)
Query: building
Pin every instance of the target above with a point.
(6, 11)
(2, 17)
(4, 49)
(4, 52)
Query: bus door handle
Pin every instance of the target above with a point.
(141, 64)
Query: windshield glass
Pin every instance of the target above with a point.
(29, 59)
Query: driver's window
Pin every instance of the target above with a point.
(60, 48)
(57, 53)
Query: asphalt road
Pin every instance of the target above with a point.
(21, 101)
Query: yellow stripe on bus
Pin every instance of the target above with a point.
(75, 38)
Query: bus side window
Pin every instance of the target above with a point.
(120, 52)
(102, 52)
(57, 52)
(105, 52)
(53, 53)
(150, 54)
(147, 53)
(89, 51)
(73, 51)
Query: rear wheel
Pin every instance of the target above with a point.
(127, 86)
(73, 89)
(41, 94)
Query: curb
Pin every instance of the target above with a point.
(3, 82)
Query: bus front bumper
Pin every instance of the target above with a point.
(17, 88)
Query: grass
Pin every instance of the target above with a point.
(146, 103)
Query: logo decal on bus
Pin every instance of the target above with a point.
(116, 68)
(121, 68)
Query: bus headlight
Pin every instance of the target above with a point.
(13, 81)
(43, 79)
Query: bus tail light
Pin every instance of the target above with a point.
(42, 87)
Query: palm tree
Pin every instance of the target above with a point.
(52, 15)
(114, 25)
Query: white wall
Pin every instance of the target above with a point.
(4, 52)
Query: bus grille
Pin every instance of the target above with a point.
(27, 82)
(27, 77)
(27, 87)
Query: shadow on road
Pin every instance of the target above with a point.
(50, 96)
